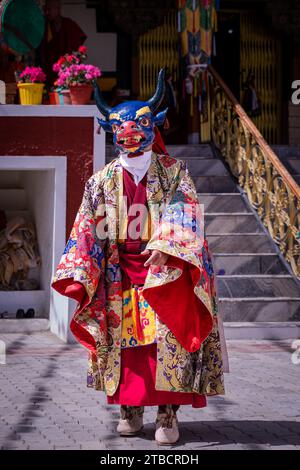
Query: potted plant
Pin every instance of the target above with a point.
(76, 77)
(79, 79)
(31, 85)
(61, 91)
(53, 96)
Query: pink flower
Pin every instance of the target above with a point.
(33, 75)
(78, 73)
(82, 49)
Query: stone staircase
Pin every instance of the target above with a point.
(259, 297)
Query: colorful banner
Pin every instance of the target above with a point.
(197, 23)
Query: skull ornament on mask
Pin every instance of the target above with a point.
(133, 122)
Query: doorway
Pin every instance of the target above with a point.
(248, 49)
(227, 60)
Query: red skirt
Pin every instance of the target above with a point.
(137, 382)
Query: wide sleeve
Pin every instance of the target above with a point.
(182, 292)
(79, 274)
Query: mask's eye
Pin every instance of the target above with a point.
(145, 121)
(114, 127)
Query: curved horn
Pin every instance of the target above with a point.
(101, 105)
(156, 99)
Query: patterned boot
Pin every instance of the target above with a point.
(131, 421)
(167, 432)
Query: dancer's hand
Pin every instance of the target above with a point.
(157, 258)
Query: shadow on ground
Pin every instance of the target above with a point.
(250, 434)
(39, 396)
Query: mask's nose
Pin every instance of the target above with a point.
(128, 127)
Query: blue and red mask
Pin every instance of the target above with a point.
(133, 122)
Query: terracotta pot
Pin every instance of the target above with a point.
(81, 93)
(66, 96)
(53, 97)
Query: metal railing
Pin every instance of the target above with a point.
(270, 188)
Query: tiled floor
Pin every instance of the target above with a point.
(45, 403)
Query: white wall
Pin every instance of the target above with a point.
(39, 187)
(102, 47)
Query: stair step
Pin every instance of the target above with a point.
(183, 152)
(296, 178)
(224, 202)
(286, 151)
(262, 330)
(207, 167)
(267, 309)
(191, 158)
(231, 223)
(215, 184)
(267, 286)
(293, 165)
(241, 243)
(256, 263)
(220, 194)
(13, 199)
(290, 157)
(23, 325)
(208, 182)
(186, 152)
(257, 276)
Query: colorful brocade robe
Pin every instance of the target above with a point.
(196, 365)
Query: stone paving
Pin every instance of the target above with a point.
(45, 403)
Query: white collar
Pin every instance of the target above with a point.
(137, 166)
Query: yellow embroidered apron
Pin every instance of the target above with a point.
(138, 319)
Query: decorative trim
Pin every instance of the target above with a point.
(142, 111)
